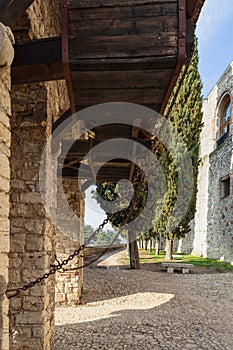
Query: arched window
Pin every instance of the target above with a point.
(224, 115)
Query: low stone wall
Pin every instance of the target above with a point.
(91, 251)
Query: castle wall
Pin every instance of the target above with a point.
(220, 210)
(213, 223)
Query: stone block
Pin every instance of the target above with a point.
(34, 243)
(37, 291)
(4, 117)
(24, 343)
(16, 303)
(4, 225)
(31, 303)
(17, 244)
(5, 135)
(29, 318)
(15, 275)
(72, 297)
(5, 166)
(4, 242)
(31, 197)
(37, 332)
(4, 204)
(4, 269)
(4, 185)
(4, 262)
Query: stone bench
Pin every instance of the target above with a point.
(171, 266)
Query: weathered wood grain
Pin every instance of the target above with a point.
(124, 13)
(141, 96)
(127, 64)
(110, 27)
(123, 46)
(112, 3)
(122, 79)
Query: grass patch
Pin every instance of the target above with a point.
(189, 259)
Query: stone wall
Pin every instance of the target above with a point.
(32, 232)
(5, 140)
(33, 239)
(69, 238)
(220, 210)
(213, 223)
(200, 222)
(94, 250)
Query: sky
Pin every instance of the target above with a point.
(215, 34)
(93, 213)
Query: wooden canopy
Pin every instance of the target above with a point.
(126, 50)
(109, 51)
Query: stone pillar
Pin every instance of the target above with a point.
(69, 284)
(32, 243)
(6, 57)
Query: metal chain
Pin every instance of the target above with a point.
(59, 266)
(11, 293)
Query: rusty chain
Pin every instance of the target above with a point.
(59, 267)
(11, 293)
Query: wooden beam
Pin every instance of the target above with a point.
(104, 174)
(111, 3)
(161, 62)
(38, 60)
(11, 10)
(80, 148)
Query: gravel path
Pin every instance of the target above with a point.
(132, 310)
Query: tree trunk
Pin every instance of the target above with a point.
(146, 244)
(153, 243)
(142, 243)
(150, 245)
(157, 246)
(133, 251)
(169, 249)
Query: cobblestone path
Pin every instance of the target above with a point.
(132, 310)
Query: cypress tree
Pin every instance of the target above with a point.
(186, 116)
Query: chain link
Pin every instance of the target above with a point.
(11, 293)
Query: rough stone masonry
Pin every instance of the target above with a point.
(27, 234)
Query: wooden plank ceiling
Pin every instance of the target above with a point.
(127, 51)
(110, 51)
(122, 50)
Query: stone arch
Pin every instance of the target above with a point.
(226, 95)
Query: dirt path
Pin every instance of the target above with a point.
(147, 310)
(112, 259)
